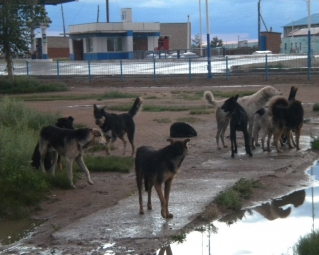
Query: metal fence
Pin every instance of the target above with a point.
(227, 67)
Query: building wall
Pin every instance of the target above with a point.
(58, 47)
(177, 33)
(273, 41)
(299, 45)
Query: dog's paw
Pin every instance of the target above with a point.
(90, 182)
(169, 216)
(141, 211)
(73, 186)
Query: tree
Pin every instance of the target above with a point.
(17, 19)
(197, 41)
(216, 42)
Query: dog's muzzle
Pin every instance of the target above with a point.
(98, 122)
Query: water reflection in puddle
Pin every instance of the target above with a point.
(270, 228)
(13, 231)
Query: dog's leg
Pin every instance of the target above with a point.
(130, 136)
(232, 142)
(149, 197)
(223, 130)
(80, 162)
(167, 191)
(298, 133)
(250, 131)
(247, 145)
(59, 162)
(124, 143)
(43, 149)
(158, 188)
(54, 160)
(277, 136)
(69, 163)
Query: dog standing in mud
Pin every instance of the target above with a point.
(35, 161)
(70, 144)
(238, 122)
(117, 125)
(156, 167)
(286, 117)
(250, 103)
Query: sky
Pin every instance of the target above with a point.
(229, 20)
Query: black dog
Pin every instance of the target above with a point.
(117, 125)
(182, 129)
(238, 122)
(35, 162)
(158, 167)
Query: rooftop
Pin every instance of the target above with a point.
(304, 21)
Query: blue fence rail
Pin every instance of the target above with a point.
(243, 65)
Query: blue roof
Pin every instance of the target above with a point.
(304, 21)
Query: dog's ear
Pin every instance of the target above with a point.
(71, 118)
(96, 132)
(236, 97)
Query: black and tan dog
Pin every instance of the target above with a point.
(70, 144)
(238, 122)
(156, 167)
(117, 125)
(286, 116)
(35, 161)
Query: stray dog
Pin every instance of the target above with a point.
(157, 167)
(250, 103)
(35, 161)
(238, 122)
(262, 122)
(285, 117)
(70, 144)
(117, 125)
(182, 129)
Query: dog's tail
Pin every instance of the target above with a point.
(276, 104)
(292, 94)
(136, 106)
(210, 98)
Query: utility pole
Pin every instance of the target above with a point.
(259, 24)
(107, 12)
(209, 64)
(98, 14)
(64, 35)
(200, 29)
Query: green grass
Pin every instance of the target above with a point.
(315, 107)
(188, 119)
(24, 84)
(232, 197)
(315, 143)
(309, 244)
(21, 187)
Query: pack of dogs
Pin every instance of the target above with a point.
(266, 112)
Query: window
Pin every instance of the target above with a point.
(114, 44)
(89, 44)
(285, 46)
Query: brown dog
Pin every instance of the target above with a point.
(157, 167)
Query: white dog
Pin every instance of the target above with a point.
(250, 103)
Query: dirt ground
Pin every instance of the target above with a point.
(65, 207)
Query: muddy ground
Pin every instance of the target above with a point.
(279, 173)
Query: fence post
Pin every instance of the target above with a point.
(266, 66)
(121, 67)
(89, 67)
(154, 76)
(189, 69)
(58, 69)
(227, 70)
(27, 68)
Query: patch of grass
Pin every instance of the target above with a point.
(315, 143)
(188, 119)
(162, 120)
(232, 197)
(315, 107)
(188, 95)
(109, 163)
(60, 179)
(26, 84)
(199, 111)
(308, 244)
(161, 108)
(101, 97)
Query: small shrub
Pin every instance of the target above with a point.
(315, 107)
(309, 244)
(315, 143)
(245, 187)
(229, 199)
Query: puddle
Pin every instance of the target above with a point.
(13, 231)
(270, 228)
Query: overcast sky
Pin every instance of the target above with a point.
(229, 19)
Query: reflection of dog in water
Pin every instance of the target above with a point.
(157, 167)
